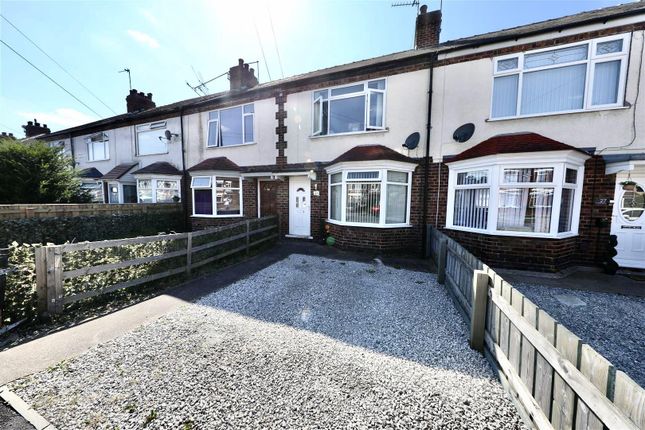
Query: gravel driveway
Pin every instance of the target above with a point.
(308, 342)
(612, 324)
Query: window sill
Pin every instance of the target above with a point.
(231, 146)
(351, 133)
(515, 233)
(153, 153)
(217, 216)
(569, 112)
(98, 161)
(355, 224)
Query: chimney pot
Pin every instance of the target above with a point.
(34, 128)
(30, 123)
(424, 8)
(240, 61)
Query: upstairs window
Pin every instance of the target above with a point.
(233, 126)
(151, 138)
(570, 78)
(349, 109)
(97, 147)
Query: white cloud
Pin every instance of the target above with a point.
(150, 17)
(143, 38)
(60, 118)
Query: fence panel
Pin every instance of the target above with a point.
(558, 381)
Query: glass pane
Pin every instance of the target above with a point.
(336, 197)
(149, 142)
(609, 47)
(525, 209)
(556, 56)
(571, 176)
(317, 120)
(363, 203)
(145, 183)
(396, 204)
(228, 201)
(145, 195)
(171, 185)
(322, 94)
(362, 175)
(213, 115)
(347, 90)
(166, 195)
(632, 204)
(566, 210)
(113, 193)
(533, 174)
(474, 177)
(213, 129)
(336, 178)
(203, 202)
(249, 109)
(471, 208)
(231, 126)
(347, 115)
(507, 64)
(201, 182)
(377, 85)
(397, 177)
(554, 90)
(505, 96)
(248, 129)
(376, 109)
(605, 83)
(129, 193)
(221, 182)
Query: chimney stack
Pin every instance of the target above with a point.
(427, 29)
(34, 128)
(242, 77)
(138, 101)
(5, 135)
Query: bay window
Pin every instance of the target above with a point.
(158, 190)
(349, 109)
(217, 196)
(516, 197)
(232, 126)
(151, 138)
(370, 197)
(570, 78)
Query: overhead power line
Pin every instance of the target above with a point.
(58, 64)
(275, 42)
(51, 79)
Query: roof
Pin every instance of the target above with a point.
(119, 171)
(216, 163)
(512, 144)
(90, 173)
(158, 168)
(371, 153)
(514, 33)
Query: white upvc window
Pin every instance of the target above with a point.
(98, 147)
(353, 108)
(231, 126)
(94, 189)
(370, 197)
(151, 138)
(217, 196)
(568, 78)
(516, 196)
(158, 190)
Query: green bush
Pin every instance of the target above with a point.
(20, 291)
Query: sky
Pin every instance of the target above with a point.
(166, 44)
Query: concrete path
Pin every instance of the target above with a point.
(41, 353)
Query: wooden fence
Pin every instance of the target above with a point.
(19, 211)
(556, 380)
(193, 250)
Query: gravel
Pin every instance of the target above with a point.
(612, 324)
(308, 342)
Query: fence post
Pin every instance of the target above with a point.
(54, 280)
(4, 268)
(40, 260)
(248, 236)
(441, 261)
(478, 316)
(189, 253)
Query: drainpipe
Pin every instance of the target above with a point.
(426, 162)
(184, 199)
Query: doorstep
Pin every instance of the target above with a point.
(298, 236)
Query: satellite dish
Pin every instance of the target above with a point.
(168, 135)
(464, 132)
(412, 140)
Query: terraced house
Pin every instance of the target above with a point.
(526, 144)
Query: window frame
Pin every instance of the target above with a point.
(89, 142)
(212, 176)
(153, 183)
(148, 128)
(218, 138)
(590, 62)
(316, 123)
(495, 166)
(382, 168)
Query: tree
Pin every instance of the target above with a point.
(33, 172)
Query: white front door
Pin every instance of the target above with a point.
(628, 221)
(299, 206)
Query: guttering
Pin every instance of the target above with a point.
(186, 186)
(426, 161)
